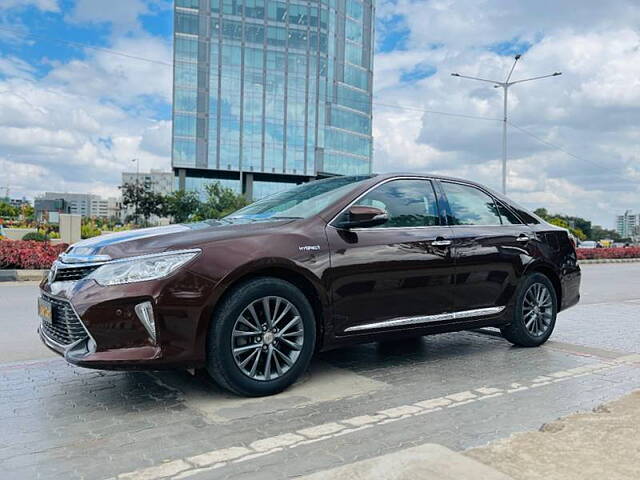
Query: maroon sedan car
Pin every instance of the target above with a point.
(252, 296)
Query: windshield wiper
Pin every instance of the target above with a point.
(285, 218)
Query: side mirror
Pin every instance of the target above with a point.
(360, 216)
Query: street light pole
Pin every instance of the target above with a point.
(505, 88)
(504, 141)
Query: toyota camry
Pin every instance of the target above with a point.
(252, 296)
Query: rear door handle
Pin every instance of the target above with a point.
(441, 242)
(523, 238)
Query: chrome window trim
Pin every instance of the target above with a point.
(373, 187)
(386, 229)
(390, 229)
(422, 319)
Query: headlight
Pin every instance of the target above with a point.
(141, 269)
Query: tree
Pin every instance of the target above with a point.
(598, 233)
(181, 205)
(220, 201)
(580, 227)
(145, 202)
(6, 210)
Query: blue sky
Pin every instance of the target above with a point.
(71, 117)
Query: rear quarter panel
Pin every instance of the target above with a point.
(558, 254)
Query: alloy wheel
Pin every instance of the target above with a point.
(267, 338)
(537, 309)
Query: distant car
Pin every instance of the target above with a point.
(329, 263)
(588, 244)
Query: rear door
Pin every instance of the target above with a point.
(402, 269)
(490, 247)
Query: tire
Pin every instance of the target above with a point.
(536, 328)
(231, 340)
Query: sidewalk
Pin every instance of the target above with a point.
(596, 445)
(585, 446)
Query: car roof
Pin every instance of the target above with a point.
(385, 176)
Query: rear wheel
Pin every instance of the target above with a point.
(261, 338)
(534, 316)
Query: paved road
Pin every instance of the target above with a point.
(459, 390)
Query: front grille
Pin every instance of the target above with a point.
(67, 274)
(65, 327)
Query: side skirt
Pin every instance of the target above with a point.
(426, 319)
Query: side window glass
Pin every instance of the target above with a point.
(528, 219)
(409, 203)
(508, 217)
(470, 206)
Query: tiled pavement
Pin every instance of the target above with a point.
(459, 390)
(64, 422)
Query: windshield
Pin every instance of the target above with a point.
(302, 201)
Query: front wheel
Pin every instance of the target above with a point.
(534, 316)
(261, 338)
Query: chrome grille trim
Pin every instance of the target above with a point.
(64, 273)
(66, 328)
(408, 321)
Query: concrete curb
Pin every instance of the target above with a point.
(22, 275)
(426, 461)
(609, 260)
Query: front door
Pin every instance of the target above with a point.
(382, 276)
(490, 244)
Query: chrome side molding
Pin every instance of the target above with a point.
(405, 321)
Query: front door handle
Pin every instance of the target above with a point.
(441, 242)
(523, 238)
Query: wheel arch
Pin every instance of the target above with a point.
(284, 270)
(549, 272)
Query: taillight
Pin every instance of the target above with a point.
(573, 241)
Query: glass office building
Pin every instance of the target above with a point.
(271, 92)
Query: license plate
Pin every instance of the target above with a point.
(44, 311)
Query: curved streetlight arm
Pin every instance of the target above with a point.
(534, 78)
(512, 68)
(476, 78)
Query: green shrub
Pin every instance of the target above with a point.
(35, 237)
(89, 230)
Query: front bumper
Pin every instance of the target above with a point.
(83, 354)
(115, 337)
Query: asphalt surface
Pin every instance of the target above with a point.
(459, 390)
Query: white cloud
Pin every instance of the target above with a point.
(591, 111)
(120, 78)
(77, 127)
(12, 66)
(123, 15)
(44, 5)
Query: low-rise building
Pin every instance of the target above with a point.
(85, 204)
(15, 202)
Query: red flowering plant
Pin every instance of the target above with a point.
(19, 254)
(605, 253)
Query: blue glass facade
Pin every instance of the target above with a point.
(277, 90)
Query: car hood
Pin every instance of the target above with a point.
(160, 239)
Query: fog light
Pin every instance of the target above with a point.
(144, 311)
